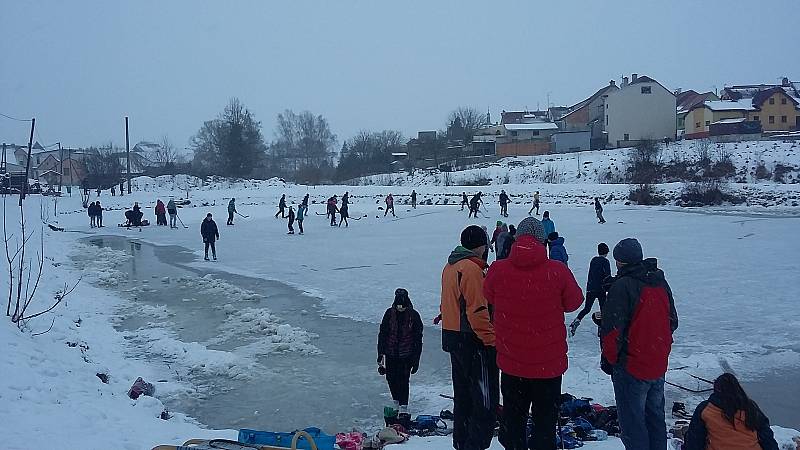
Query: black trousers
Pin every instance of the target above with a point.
(230, 217)
(504, 209)
(591, 296)
(291, 226)
(398, 376)
(300, 225)
(476, 391)
(210, 243)
(519, 395)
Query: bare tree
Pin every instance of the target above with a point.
(303, 141)
(165, 155)
(464, 122)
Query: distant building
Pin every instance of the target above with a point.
(700, 116)
(571, 141)
(638, 110)
(525, 139)
(685, 101)
(776, 110)
(588, 115)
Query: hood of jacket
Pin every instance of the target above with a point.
(559, 241)
(646, 271)
(460, 253)
(526, 252)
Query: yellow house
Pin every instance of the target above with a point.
(776, 110)
(702, 115)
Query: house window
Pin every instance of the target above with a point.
(771, 119)
(535, 132)
(757, 119)
(783, 119)
(697, 124)
(783, 100)
(708, 122)
(772, 100)
(647, 90)
(626, 137)
(513, 133)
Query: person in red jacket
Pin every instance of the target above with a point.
(529, 294)
(161, 213)
(639, 318)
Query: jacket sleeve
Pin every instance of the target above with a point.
(697, 434)
(383, 334)
(673, 313)
(616, 316)
(766, 438)
(216, 231)
(571, 294)
(417, 330)
(489, 285)
(477, 308)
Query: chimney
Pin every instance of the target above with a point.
(634, 76)
(612, 83)
(678, 91)
(785, 82)
(624, 81)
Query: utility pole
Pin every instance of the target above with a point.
(27, 164)
(69, 156)
(61, 172)
(128, 153)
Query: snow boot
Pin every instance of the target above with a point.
(679, 411)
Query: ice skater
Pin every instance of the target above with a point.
(475, 204)
(231, 210)
(172, 209)
(389, 205)
(291, 220)
(332, 210)
(344, 213)
(210, 234)
(301, 215)
(281, 207)
(598, 209)
(504, 201)
(464, 200)
(599, 271)
(535, 204)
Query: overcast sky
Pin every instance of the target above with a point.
(80, 66)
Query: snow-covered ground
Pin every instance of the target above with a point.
(732, 271)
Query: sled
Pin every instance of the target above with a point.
(225, 444)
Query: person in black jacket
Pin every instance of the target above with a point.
(281, 207)
(599, 270)
(291, 220)
(504, 200)
(400, 347)
(210, 234)
(729, 419)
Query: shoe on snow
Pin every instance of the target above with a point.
(573, 327)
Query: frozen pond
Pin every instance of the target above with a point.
(261, 354)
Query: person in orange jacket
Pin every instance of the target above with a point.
(468, 336)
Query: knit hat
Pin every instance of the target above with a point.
(552, 236)
(473, 237)
(499, 223)
(401, 298)
(628, 251)
(602, 248)
(532, 227)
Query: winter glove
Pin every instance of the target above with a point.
(573, 327)
(437, 319)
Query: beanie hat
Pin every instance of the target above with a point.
(401, 298)
(499, 223)
(473, 237)
(628, 251)
(552, 236)
(602, 248)
(532, 227)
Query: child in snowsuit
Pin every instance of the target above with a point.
(400, 347)
(291, 220)
(599, 270)
(557, 250)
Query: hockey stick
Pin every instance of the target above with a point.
(242, 215)
(181, 221)
(694, 391)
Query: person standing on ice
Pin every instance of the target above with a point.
(504, 200)
(301, 215)
(305, 201)
(501, 242)
(414, 199)
(344, 212)
(389, 205)
(468, 336)
(332, 210)
(599, 270)
(535, 204)
(90, 210)
(548, 224)
(231, 210)
(161, 213)
(291, 220)
(281, 207)
(210, 234)
(638, 320)
(464, 200)
(557, 250)
(529, 295)
(729, 419)
(598, 210)
(400, 348)
(475, 204)
(172, 209)
(98, 214)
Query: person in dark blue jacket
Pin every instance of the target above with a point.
(599, 270)
(557, 250)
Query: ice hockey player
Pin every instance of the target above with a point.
(231, 210)
(172, 209)
(599, 271)
(598, 210)
(475, 204)
(291, 220)
(504, 201)
(414, 199)
(332, 210)
(301, 215)
(389, 205)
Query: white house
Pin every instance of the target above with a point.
(640, 109)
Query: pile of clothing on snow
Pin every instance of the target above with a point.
(581, 421)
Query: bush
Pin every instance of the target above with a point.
(551, 175)
(762, 173)
(780, 172)
(723, 168)
(645, 194)
(707, 193)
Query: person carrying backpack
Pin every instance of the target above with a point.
(400, 347)
(638, 320)
(729, 420)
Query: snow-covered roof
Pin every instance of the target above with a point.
(721, 121)
(531, 126)
(399, 154)
(726, 105)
